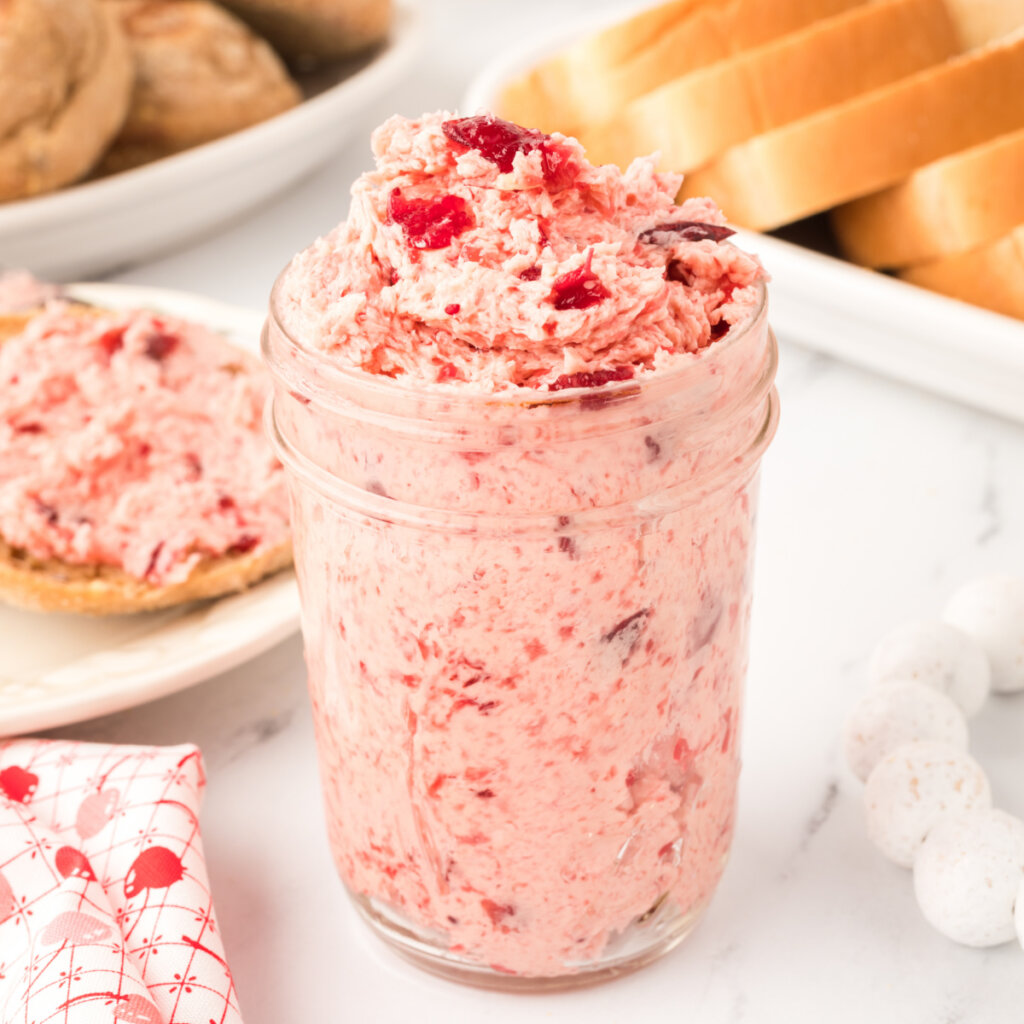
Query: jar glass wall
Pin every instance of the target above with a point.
(525, 617)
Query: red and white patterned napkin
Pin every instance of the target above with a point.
(105, 909)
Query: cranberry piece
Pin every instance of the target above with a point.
(485, 794)
(448, 372)
(497, 912)
(625, 635)
(430, 223)
(244, 544)
(678, 271)
(48, 512)
(689, 230)
(159, 345)
(595, 379)
(452, 308)
(498, 141)
(653, 448)
(29, 428)
(225, 502)
(578, 289)
(154, 555)
(530, 273)
(112, 340)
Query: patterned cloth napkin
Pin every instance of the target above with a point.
(105, 909)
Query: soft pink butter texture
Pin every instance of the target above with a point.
(483, 309)
(134, 441)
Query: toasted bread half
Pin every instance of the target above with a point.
(53, 585)
(50, 585)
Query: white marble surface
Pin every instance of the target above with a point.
(877, 502)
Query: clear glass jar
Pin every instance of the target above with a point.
(525, 619)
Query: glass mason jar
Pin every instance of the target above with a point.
(525, 619)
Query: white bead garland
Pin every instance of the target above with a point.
(927, 802)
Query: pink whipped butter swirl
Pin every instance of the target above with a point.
(480, 252)
(134, 440)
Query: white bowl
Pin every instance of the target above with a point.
(90, 229)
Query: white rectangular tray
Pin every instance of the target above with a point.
(866, 318)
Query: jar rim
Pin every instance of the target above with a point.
(315, 375)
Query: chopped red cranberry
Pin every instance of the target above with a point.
(625, 635)
(48, 512)
(29, 428)
(452, 308)
(578, 289)
(530, 273)
(448, 372)
(244, 544)
(688, 230)
(430, 223)
(159, 345)
(678, 271)
(154, 555)
(485, 794)
(497, 912)
(112, 340)
(225, 502)
(653, 448)
(583, 379)
(498, 141)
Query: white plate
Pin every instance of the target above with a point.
(59, 669)
(866, 318)
(87, 230)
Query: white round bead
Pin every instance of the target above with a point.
(898, 713)
(1018, 914)
(992, 611)
(967, 875)
(938, 654)
(909, 789)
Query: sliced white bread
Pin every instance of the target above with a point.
(982, 21)
(869, 142)
(695, 118)
(599, 75)
(958, 203)
(991, 276)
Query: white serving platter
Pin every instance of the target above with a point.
(59, 669)
(96, 227)
(869, 319)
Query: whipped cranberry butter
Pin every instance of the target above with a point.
(132, 441)
(521, 401)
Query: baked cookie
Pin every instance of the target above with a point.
(200, 73)
(134, 473)
(65, 78)
(316, 30)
